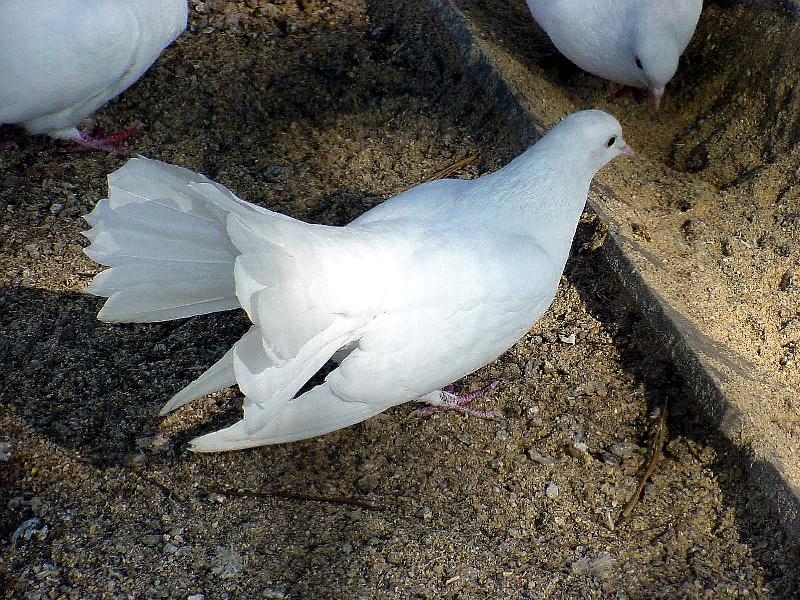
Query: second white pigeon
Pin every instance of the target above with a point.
(633, 42)
(415, 294)
(61, 60)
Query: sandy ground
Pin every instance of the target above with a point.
(321, 110)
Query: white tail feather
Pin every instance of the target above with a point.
(166, 244)
(217, 377)
(316, 412)
(180, 245)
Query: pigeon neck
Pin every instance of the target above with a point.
(542, 193)
(544, 182)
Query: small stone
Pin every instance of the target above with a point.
(532, 410)
(552, 491)
(602, 566)
(789, 280)
(196, 597)
(56, 208)
(368, 482)
(578, 450)
(568, 339)
(170, 549)
(497, 464)
(581, 566)
(540, 458)
(532, 368)
(624, 450)
(596, 388)
(535, 423)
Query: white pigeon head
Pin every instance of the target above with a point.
(660, 32)
(590, 138)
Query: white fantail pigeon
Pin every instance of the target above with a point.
(416, 293)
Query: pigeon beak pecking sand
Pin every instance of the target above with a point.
(657, 93)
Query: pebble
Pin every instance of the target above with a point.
(540, 458)
(596, 388)
(624, 450)
(552, 491)
(568, 339)
(532, 410)
(600, 567)
(578, 450)
(196, 597)
(788, 280)
(56, 208)
(535, 423)
(368, 482)
(532, 368)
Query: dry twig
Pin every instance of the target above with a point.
(658, 446)
(456, 166)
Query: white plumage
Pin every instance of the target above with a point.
(413, 295)
(61, 60)
(633, 42)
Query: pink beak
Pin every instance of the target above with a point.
(626, 151)
(657, 95)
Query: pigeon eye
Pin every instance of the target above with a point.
(638, 62)
(611, 141)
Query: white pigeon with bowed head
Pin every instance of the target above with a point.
(415, 294)
(61, 60)
(633, 42)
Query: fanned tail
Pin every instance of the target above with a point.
(166, 243)
(180, 245)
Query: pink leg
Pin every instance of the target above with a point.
(447, 400)
(99, 142)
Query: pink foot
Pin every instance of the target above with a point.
(98, 142)
(447, 400)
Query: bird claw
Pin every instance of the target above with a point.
(99, 142)
(461, 403)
